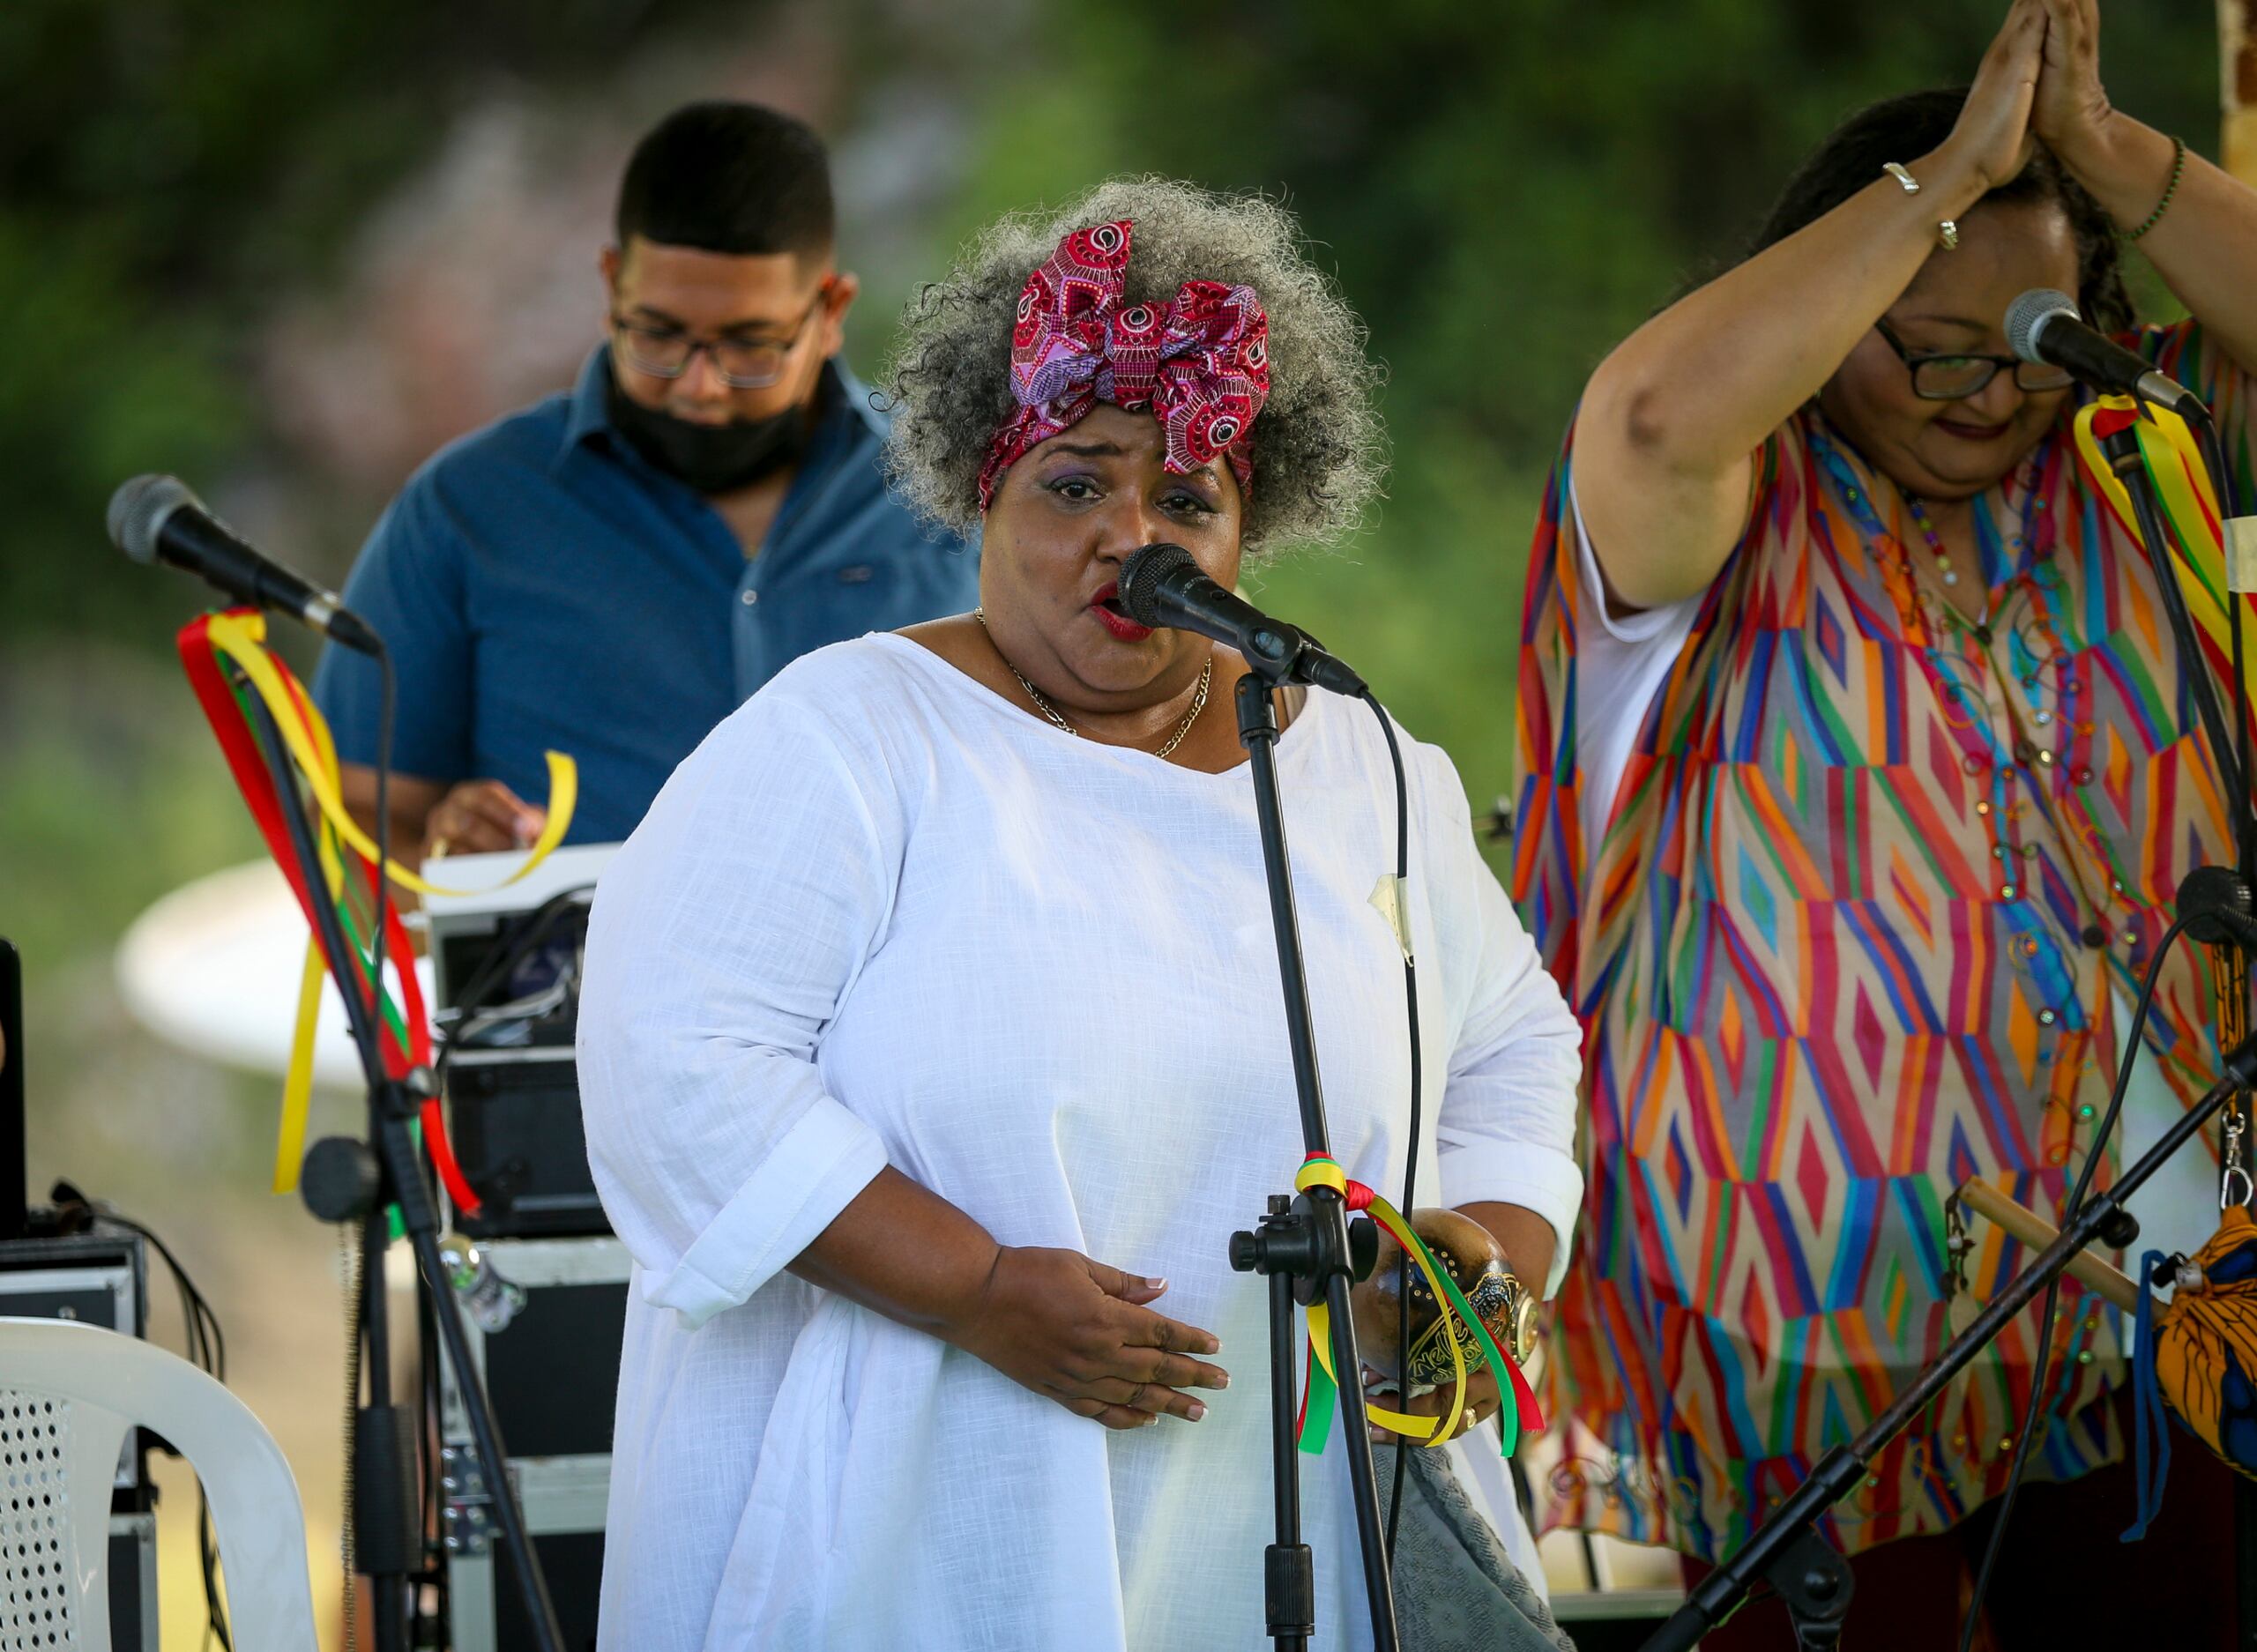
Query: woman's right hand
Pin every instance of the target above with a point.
(1079, 1333)
(1993, 135)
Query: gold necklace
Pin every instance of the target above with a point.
(1042, 702)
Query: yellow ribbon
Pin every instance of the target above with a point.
(1327, 1174)
(2188, 503)
(241, 638)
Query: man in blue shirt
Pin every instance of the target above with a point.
(609, 573)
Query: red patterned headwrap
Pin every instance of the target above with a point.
(1201, 362)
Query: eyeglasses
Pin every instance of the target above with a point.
(1956, 377)
(666, 351)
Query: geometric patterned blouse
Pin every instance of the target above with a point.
(1876, 886)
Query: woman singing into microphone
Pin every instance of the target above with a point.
(932, 1046)
(1862, 777)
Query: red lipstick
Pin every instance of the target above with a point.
(1107, 607)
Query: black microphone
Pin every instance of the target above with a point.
(1161, 585)
(2043, 326)
(158, 518)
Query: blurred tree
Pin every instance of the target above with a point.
(1506, 189)
(168, 168)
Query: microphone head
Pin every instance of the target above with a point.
(139, 509)
(2027, 316)
(1141, 576)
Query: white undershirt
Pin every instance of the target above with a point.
(1621, 664)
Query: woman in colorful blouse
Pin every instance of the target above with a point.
(1861, 774)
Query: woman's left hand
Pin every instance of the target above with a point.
(2071, 111)
(1481, 1403)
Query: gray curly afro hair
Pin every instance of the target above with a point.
(1319, 454)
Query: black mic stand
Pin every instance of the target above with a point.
(1787, 1549)
(349, 1180)
(1303, 1246)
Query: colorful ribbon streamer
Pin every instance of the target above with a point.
(2189, 508)
(210, 645)
(1322, 1392)
(240, 635)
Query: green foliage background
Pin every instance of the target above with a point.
(1504, 189)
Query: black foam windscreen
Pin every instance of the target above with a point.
(1140, 580)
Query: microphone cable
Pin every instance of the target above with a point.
(1411, 1156)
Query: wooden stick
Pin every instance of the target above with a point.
(2237, 77)
(2026, 1225)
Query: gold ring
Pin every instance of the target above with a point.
(439, 847)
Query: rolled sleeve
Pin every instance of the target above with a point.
(1506, 1130)
(1534, 1178)
(725, 935)
(810, 1175)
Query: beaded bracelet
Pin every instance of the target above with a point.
(2178, 165)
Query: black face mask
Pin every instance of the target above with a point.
(711, 458)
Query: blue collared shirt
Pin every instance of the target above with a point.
(540, 585)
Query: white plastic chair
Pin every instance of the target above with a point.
(68, 1392)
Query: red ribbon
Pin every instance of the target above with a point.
(230, 725)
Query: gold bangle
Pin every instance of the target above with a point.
(2178, 165)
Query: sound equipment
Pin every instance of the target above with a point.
(96, 1278)
(545, 1318)
(542, 1285)
(99, 1277)
(506, 971)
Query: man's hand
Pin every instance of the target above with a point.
(480, 817)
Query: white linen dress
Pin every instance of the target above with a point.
(884, 916)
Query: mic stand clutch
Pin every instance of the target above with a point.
(1303, 1246)
(346, 1180)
